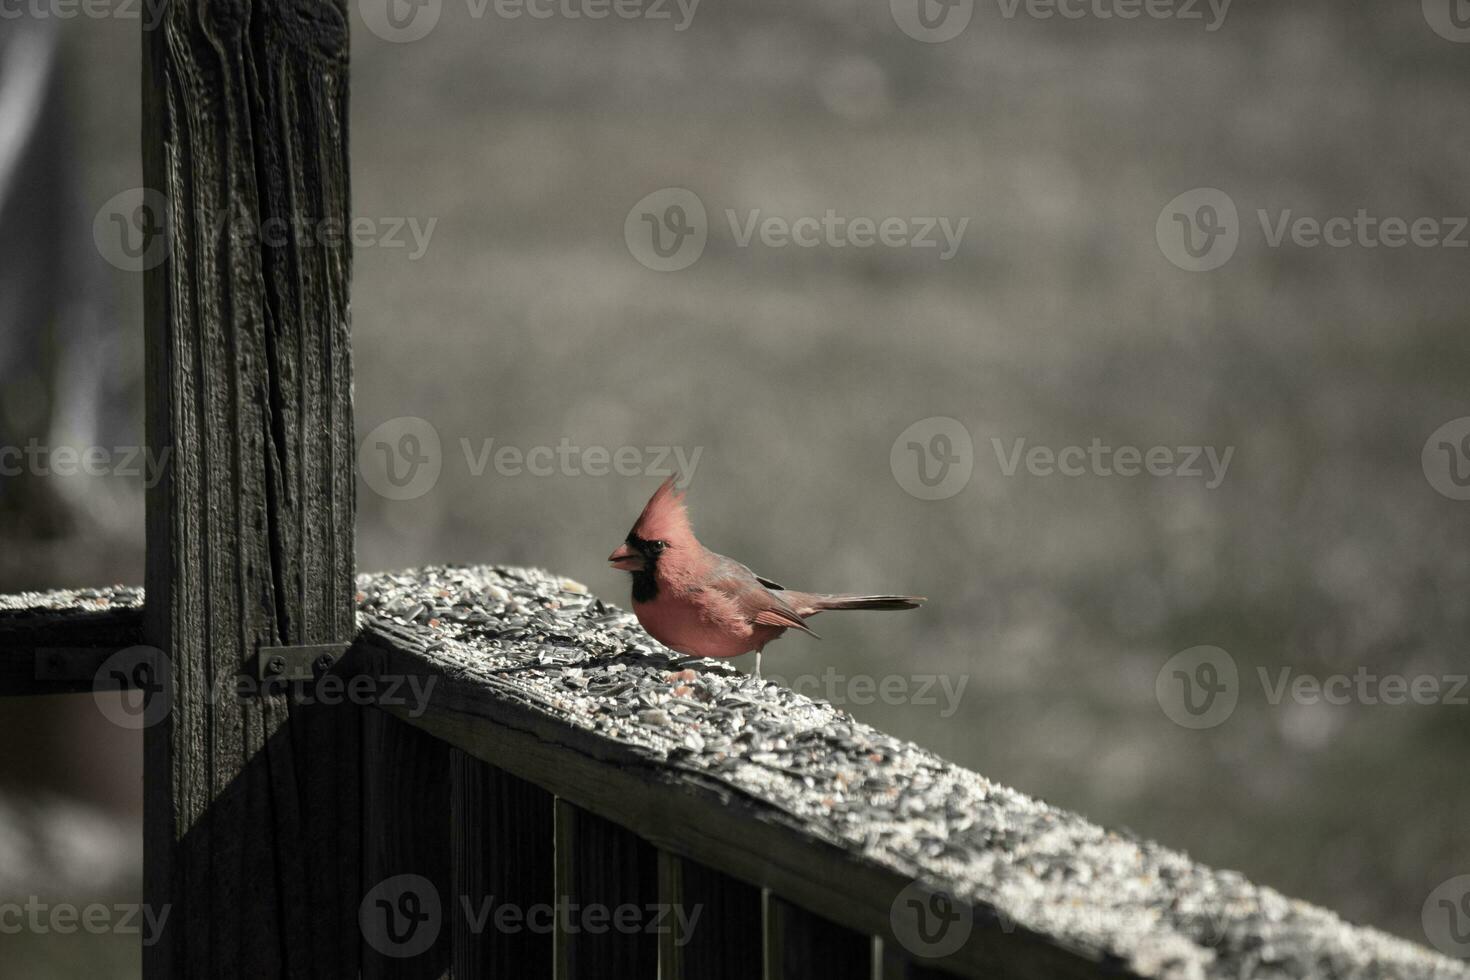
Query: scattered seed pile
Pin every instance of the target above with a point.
(110, 617)
(69, 602)
(549, 644)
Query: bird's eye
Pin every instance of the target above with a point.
(658, 546)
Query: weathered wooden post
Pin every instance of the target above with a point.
(253, 801)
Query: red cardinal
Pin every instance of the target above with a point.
(701, 604)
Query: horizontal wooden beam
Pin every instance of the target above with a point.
(57, 642)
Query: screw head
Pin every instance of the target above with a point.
(276, 664)
(323, 663)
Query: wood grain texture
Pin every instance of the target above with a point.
(406, 808)
(723, 937)
(606, 890)
(801, 944)
(252, 805)
(504, 857)
(894, 964)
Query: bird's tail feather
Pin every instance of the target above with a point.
(821, 602)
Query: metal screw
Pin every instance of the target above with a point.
(276, 665)
(323, 663)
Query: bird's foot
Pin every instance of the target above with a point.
(754, 680)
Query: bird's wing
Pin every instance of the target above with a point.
(753, 596)
(730, 568)
(782, 617)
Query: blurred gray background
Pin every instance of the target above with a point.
(1056, 600)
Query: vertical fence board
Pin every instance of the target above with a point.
(601, 869)
(800, 944)
(252, 803)
(896, 965)
(502, 836)
(408, 904)
(722, 940)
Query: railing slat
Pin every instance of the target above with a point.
(800, 944)
(503, 851)
(894, 964)
(713, 923)
(600, 870)
(407, 897)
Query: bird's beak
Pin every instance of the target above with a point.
(626, 559)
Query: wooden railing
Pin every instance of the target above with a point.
(545, 794)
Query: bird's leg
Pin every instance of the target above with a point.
(758, 664)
